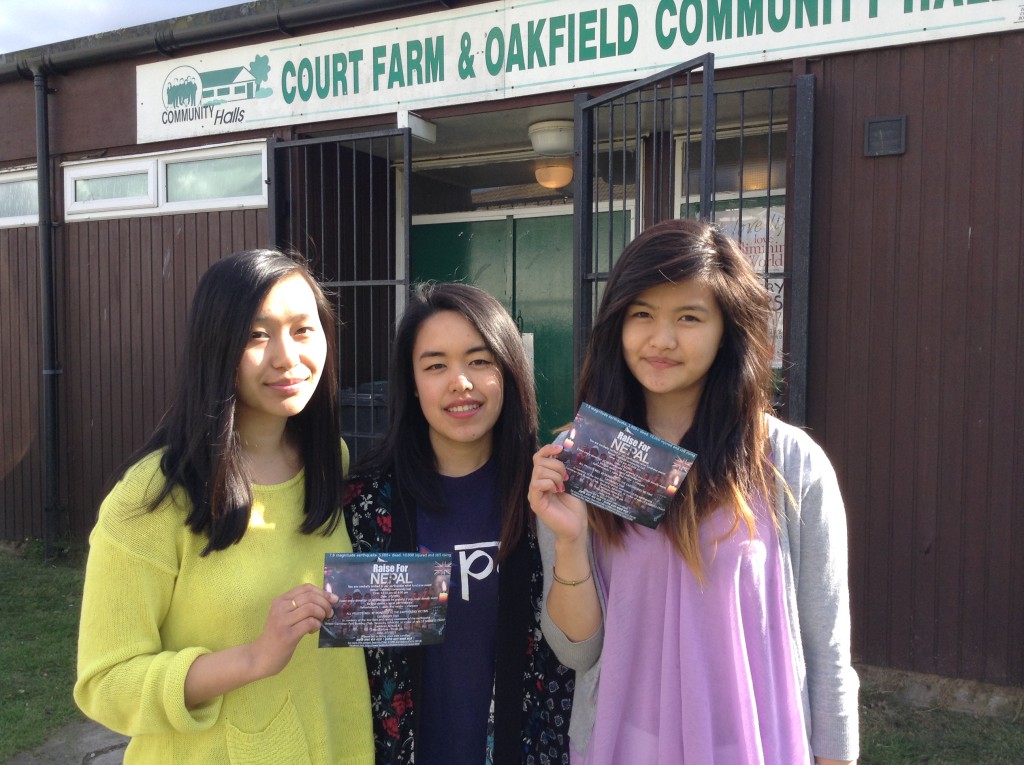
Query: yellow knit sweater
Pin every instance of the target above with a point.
(152, 605)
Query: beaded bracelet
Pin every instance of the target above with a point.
(571, 582)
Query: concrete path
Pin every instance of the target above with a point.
(82, 742)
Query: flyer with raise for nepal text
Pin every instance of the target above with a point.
(386, 599)
(621, 468)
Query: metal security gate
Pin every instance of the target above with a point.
(626, 152)
(659, 149)
(343, 202)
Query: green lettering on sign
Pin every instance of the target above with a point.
(395, 73)
(434, 62)
(494, 59)
(665, 28)
(288, 81)
(808, 8)
(628, 16)
(606, 49)
(556, 38)
(719, 20)
(534, 49)
(691, 35)
(588, 51)
(305, 79)
(778, 21)
(414, 63)
(750, 15)
(516, 58)
(379, 52)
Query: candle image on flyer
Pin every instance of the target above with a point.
(386, 599)
(621, 468)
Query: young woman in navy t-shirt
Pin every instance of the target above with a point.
(451, 475)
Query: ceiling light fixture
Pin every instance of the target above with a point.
(553, 175)
(553, 138)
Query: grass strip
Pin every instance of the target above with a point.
(40, 603)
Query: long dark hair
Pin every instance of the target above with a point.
(729, 432)
(405, 451)
(202, 450)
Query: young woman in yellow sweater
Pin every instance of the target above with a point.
(205, 575)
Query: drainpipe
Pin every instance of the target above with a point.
(48, 324)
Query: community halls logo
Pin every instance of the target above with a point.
(190, 95)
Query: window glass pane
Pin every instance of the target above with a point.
(19, 198)
(756, 164)
(112, 187)
(219, 178)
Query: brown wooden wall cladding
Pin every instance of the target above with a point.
(21, 498)
(123, 287)
(917, 350)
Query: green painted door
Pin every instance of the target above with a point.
(475, 252)
(527, 264)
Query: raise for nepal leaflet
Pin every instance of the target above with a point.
(621, 468)
(386, 599)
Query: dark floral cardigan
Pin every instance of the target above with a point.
(532, 700)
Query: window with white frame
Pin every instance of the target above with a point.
(210, 174)
(19, 199)
(112, 186)
(225, 177)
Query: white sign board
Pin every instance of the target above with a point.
(505, 49)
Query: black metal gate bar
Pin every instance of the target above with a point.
(709, 127)
(643, 114)
(648, 134)
(799, 250)
(337, 199)
(771, 158)
(583, 233)
(783, 128)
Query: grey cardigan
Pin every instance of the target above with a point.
(812, 537)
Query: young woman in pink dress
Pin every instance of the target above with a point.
(723, 636)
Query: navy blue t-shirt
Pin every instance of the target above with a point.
(458, 674)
